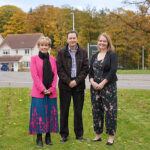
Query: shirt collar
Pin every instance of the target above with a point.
(72, 50)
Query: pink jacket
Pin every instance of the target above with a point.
(37, 76)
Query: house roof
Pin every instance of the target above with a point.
(16, 41)
(9, 58)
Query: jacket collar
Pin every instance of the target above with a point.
(67, 50)
(105, 58)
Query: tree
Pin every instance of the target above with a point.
(6, 12)
(127, 40)
(142, 23)
(142, 5)
(16, 25)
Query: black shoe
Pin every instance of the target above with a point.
(98, 140)
(109, 144)
(48, 139)
(39, 141)
(80, 138)
(63, 139)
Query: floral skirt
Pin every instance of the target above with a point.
(43, 115)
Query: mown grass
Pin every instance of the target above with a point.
(133, 131)
(133, 71)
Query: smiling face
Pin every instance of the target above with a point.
(44, 47)
(102, 43)
(44, 44)
(72, 40)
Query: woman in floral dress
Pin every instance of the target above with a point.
(102, 75)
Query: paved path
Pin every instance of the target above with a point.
(125, 81)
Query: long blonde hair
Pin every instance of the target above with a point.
(110, 46)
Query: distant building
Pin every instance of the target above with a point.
(16, 50)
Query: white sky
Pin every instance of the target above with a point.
(25, 5)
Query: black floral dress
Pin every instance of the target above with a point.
(104, 102)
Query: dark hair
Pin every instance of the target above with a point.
(71, 31)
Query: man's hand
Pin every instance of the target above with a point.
(72, 84)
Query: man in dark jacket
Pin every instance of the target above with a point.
(72, 66)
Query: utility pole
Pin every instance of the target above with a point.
(143, 57)
(72, 19)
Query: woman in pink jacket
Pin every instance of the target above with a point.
(43, 112)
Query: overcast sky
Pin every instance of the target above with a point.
(25, 5)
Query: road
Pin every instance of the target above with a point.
(125, 81)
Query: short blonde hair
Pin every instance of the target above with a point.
(44, 40)
(110, 46)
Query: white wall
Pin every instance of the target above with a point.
(4, 47)
(35, 51)
(21, 52)
(1, 39)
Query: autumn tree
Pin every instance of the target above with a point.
(63, 24)
(142, 23)
(17, 24)
(129, 30)
(6, 12)
(90, 24)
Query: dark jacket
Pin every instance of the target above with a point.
(64, 64)
(109, 66)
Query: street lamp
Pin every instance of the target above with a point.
(143, 57)
(72, 19)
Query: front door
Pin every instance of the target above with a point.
(15, 66)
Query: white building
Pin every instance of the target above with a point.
(16, 50)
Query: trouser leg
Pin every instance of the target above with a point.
(78, 100)
(110, 107)
(65, 99)
(97, 111)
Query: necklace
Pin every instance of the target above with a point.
(101, 56)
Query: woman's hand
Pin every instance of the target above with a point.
(46, 92)
(95, 85)
(100, 86)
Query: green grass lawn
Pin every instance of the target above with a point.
(133, 131)
(133, 71)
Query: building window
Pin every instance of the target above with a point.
(6, 51)
(26, 64)
(27, 51)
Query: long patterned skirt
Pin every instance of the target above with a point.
(43, 116)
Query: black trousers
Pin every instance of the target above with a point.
(78, 100)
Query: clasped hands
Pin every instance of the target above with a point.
(46, 92)
(72, 84)
(97, 86)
